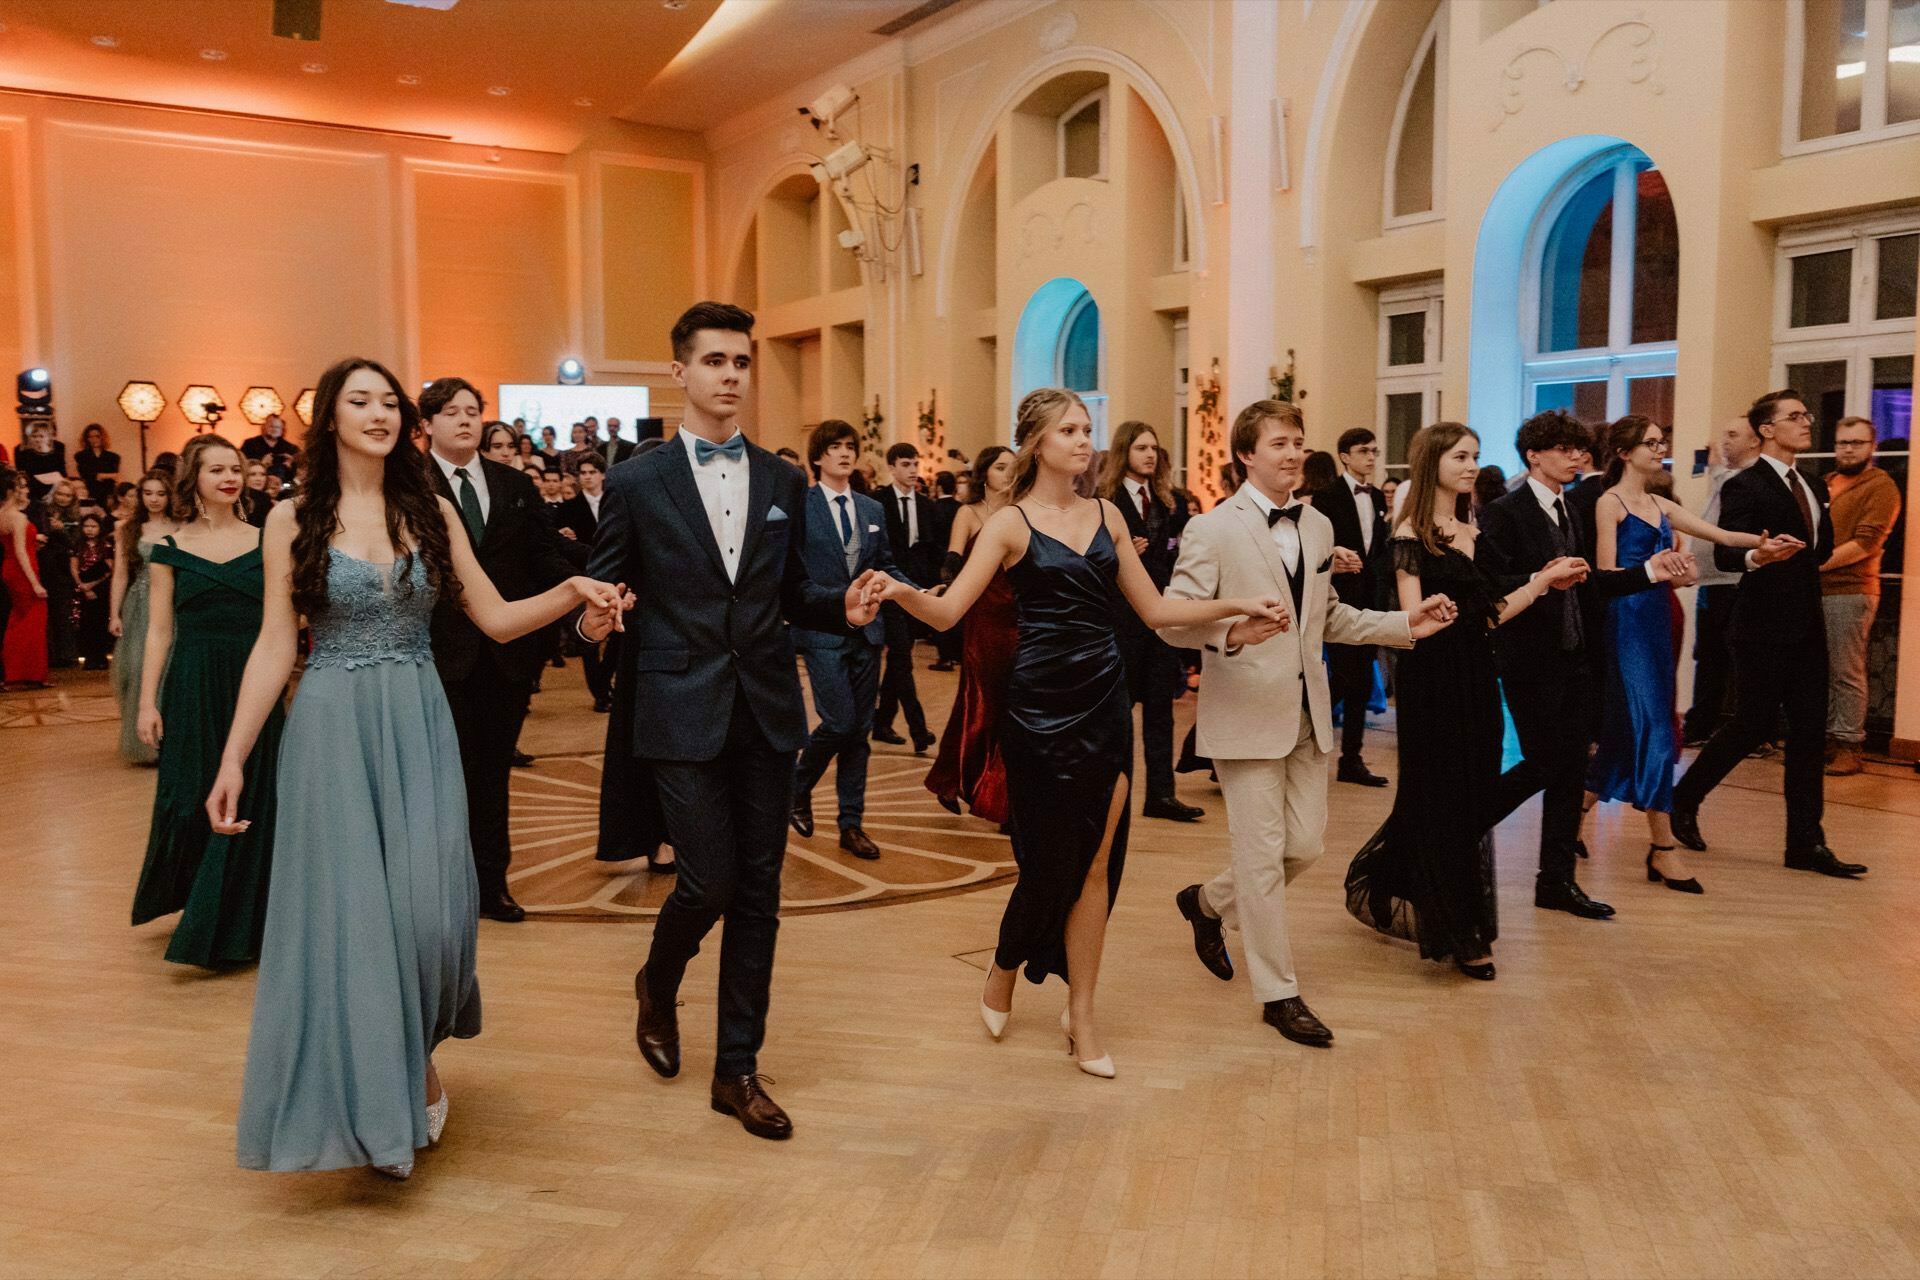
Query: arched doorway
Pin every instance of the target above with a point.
(1058, 345)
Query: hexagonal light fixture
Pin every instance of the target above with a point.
(194, 403)
(142, 402)
(303, 405)
(257, 404)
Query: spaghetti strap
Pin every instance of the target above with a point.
(1023, 514)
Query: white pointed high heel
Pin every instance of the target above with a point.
(996, 1021)
(437, 1119)
(1101, 1066)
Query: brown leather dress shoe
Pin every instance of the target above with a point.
(743, 1098)
(859, 844)
(658, 1031)
(1292, 1019)
(1209, 943)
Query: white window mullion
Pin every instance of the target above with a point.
(1873, 89)
(1626, 209)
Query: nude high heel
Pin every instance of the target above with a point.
(995, 1019)
(1101, 1066)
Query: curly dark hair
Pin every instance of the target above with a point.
(1551, 429)
(414, 521)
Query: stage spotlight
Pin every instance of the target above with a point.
(33, 390)
(572, 372)
(38, 377)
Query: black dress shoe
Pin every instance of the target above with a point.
(859, 844)
(655, 867)
(1292, 1019)
(1821, 859)
(521, 760)
(1353, 769)
(922, 743)
(744, 1098)
(1686, 829)
(501, 906)
(1484, 971)
(801, 818)
(889, 737)
(658, 1030)
(1171, 809)
(1209, 942)
(603, 705)
(1565, 895)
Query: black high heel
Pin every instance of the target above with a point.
(1482, 971)
(1688, 885)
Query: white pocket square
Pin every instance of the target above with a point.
(775, 513)
(873, 528)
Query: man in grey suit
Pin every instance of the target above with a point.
(846, 535)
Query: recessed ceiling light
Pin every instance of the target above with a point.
(214, 55)
(313, 68)
(409, 81)
(583, 102)
(107, 42)
(499, 90)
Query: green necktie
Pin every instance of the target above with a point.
(470, 506)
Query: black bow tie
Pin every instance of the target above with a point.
(1369, 490)
(1283, 513)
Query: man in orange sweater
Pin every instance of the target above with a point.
(1865, 505)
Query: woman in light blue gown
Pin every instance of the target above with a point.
(368, 960)
(1639, 736)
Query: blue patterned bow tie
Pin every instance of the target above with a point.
(733, 450)
(1278, 514)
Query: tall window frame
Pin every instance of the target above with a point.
(1433, 43)
(1873, 125)
(1409, 314)
(1620, 361)
(1100, 100)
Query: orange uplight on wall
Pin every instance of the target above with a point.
(201, 405)
(142, 402)
(303, 405)
(258, 404)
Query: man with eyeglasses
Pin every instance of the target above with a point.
(1779, 636)
(1865, 506)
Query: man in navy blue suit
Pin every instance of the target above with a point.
(707, 532)
(846, 537)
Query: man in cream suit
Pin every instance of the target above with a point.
(1264, 708)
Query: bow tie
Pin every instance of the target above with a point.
(1369, 490)
(733, 450)
(1278, 514)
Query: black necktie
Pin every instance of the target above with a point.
(906, 520)
(470, 506)
(1277, 514)
(1572, 625)
(1560, 519)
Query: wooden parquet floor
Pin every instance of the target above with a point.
(1717, 1086)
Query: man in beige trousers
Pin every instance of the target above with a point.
(1264, 707)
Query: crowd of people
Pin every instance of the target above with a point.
(424, 559)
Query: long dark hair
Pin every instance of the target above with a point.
(1622, 438)
(1430, 444)
(414, 522)
(1118, 464)
(134, 525)
(983, 463)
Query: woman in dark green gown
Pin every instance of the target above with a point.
(205, 614)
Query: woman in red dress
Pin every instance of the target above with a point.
(968, 768)
(25, 654)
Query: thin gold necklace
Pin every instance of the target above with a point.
(1040, 502)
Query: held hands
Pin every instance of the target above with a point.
(148, 728)
(864, 595)
(1773, 547)
(1435, 613)
(606, 603)
(1676, 567)
(1561, 572)
(1267, 617)
(223, 802)
(1347, 560)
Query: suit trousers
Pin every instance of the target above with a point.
(1770, 677)
(844, 682)
(1350, 672)
(727, 819)
(1553, 717)
(1712, 659)
(1277, 818)
(897, 692)
(1153, 677)
(598, 661)
(488, 710)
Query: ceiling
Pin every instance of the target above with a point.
(566, 65)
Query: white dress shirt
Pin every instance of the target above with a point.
(913, 512)
(838, 501)
(593, 501)
(1796, 483)
(1285, 533)
(1138, 492)
(1363, 503)
(472, 469)
(723, 491)
(1547, 498)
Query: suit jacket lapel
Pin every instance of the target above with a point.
(760, 465)
(678, 477)
(1255, 523)
(497, 502)
(821, 513)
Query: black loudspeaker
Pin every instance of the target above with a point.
(296, 19)
(650, 428)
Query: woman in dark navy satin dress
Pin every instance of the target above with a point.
(1067, 732)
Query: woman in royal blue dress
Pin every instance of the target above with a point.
(1639, 740)
(368, 960)
(1067, 728)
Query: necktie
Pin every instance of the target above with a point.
(1560, 518)
(1805, 499)
(906, 518)
(470, 506)
(1278, 514)
(733, 450)
(848, 545)
(1572, 625)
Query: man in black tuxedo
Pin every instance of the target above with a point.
(913, 526)
(1543, 654)
(1155, 674)
(946, 506)
(707, 532)
(577, 519)
(1779, 635)
(489, 685)
(1358, 513)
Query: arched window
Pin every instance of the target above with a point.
(1082, 137)
(1058, 345)
(1416, 149)
(1078, 360)
(1600, 317)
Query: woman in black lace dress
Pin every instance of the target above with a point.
(1427, 874)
